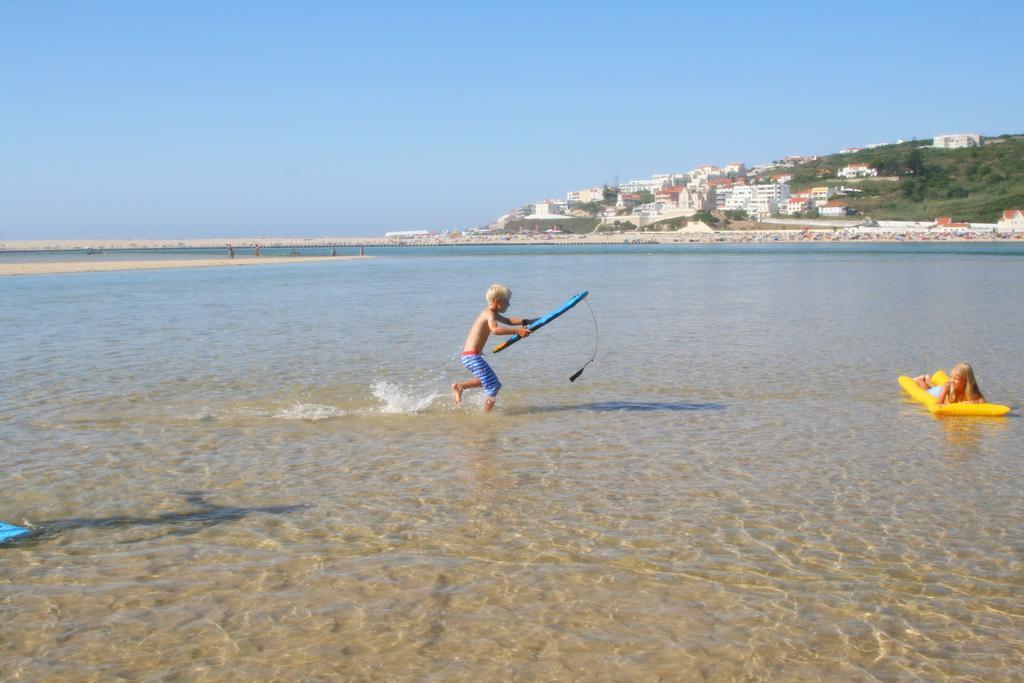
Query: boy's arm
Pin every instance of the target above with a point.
(492, 322)
(513, 321)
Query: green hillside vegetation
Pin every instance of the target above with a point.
(972, 184)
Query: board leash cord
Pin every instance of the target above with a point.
(574, 376)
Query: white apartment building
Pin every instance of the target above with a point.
(821, 195)
(850, 150)
(549, 207)
(634, 186)
(956, 140)
(651, 210)
(590, 194)
(857, 171)
(759, 201)
(704, 173)
(736, 168)
(667, 179)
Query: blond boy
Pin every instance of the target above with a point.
(490, 320)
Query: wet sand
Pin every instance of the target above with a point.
(56, 267)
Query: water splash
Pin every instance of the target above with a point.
(398, 400)
(309, 411)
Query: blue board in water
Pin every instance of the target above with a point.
(9, 531)
(541, 322)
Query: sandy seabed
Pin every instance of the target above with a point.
(56, 267)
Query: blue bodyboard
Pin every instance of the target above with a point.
(541, 322)
(9, 531)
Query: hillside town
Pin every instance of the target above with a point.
(757, 194)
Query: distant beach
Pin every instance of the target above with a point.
(57, 267)
(96, 255)
(244, 246)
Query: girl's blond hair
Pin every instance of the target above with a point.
(499, 293)
(971, 390)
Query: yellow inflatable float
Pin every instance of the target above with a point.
(940, 377)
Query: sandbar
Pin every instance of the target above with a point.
(58, 267)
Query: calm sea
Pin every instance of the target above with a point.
(257, 473)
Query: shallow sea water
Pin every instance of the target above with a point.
(257, 473)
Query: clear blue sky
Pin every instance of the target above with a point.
(208, 119)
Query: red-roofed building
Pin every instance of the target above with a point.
(946, 223)
(670, 195)
(627, 199)
(796, 204)
(1012, 220)
(835, 209)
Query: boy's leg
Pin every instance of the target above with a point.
(459, 387)
(484, 377)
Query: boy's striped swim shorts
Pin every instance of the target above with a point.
(476, 364)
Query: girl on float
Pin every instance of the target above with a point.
(962, 387)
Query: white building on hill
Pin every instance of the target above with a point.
(634, 186)
(797, 204)
(857, 171)
(548, 207)
(586, 196)
(759, 201)
(956, 140)
(835, 209)
(821, 195)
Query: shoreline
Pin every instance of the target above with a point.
(675, 237)
(62, 267)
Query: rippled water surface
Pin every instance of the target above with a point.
(257, 473)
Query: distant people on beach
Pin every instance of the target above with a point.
(962, 387)
(334, 251)
(231, 251)
(361, 252)
(255, 249)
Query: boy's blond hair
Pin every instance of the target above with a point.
(499, 293)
